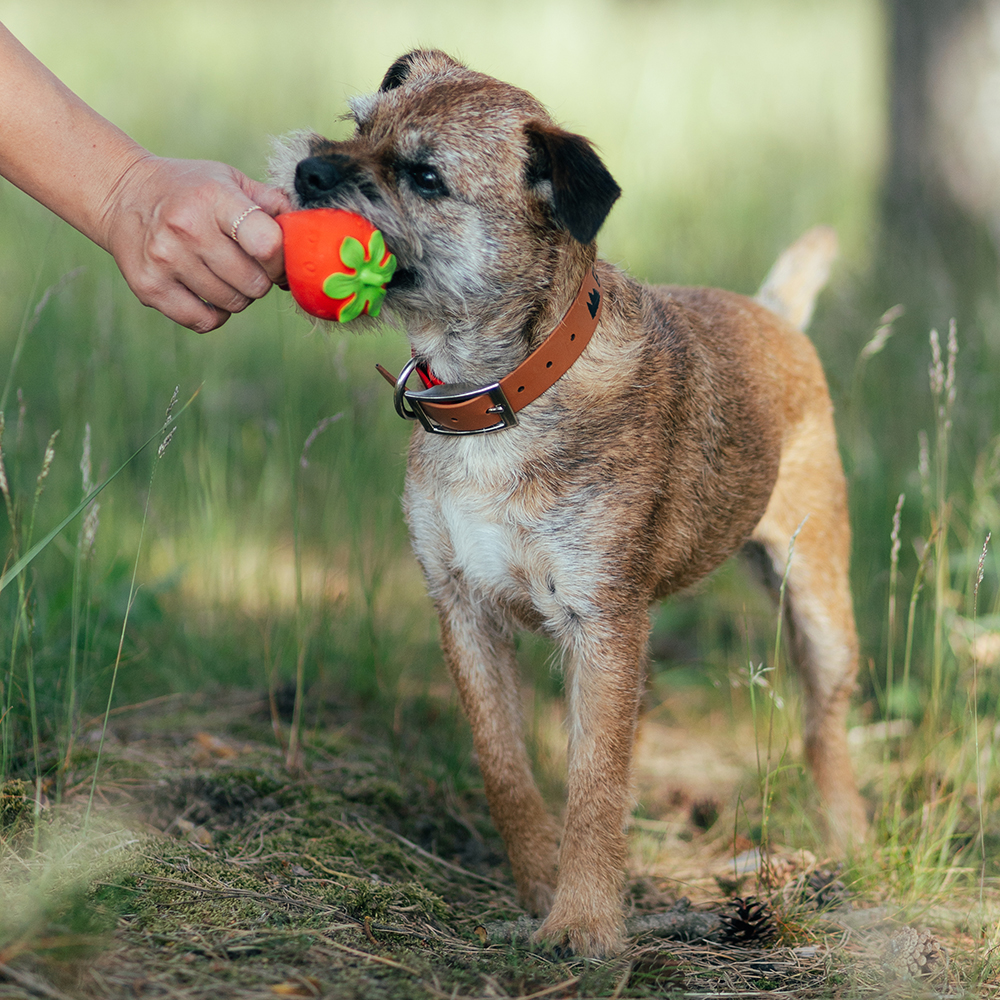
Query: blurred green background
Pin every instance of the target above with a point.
(731, 125)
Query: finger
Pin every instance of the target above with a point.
(208, 319)
(195, 297)
(226, 279)
(273, 201)
(185, 308)
(228, 275)
(231, 276)
(205, 282)
(192, 246)
(260, 236)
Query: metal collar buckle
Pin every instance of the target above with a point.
(454, 392)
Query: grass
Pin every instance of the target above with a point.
(244, 575)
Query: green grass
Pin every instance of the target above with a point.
(732, 126)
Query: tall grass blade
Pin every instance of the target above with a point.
(890, 677)
(29, 556)
(81, 555)
(167, 432)
(766, 777)
(943, 388)
(980, 781)
(30, 659)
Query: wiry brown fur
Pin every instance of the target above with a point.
(695, 421)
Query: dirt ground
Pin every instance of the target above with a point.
(207, 869)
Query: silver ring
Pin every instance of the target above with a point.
(236, 224)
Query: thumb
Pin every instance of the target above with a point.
(273, 200)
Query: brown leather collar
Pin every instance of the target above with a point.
(457, 408)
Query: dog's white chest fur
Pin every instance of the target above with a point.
(473, 521)
(487, 543)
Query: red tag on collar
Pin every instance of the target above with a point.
(427, 376)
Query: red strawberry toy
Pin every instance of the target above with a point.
(336, 263)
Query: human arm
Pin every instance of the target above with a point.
(165, 221)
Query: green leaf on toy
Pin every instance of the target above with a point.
(368, 297)
(376, 247)
(352, 253)
(339, 286)
(366, 284)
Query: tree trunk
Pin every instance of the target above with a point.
(935, 258)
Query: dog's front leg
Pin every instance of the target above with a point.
(479, 651)
(604, 679)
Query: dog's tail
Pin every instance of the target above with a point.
(798, 275)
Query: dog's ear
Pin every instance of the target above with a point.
(582, 189)
(399, 72)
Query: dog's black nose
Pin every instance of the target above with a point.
(317, 177)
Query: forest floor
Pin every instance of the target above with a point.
(207, 869)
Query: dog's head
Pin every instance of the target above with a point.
(477, 192)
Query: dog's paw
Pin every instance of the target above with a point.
(593, 938)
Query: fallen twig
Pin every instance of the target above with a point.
(441, 861)
(365, 954)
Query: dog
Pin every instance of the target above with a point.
(585, 445)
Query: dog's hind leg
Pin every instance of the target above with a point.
(480, 655)
(810, 496)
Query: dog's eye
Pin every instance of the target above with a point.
(427, 181)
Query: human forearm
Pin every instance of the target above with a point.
(166, 222)
(55, 147)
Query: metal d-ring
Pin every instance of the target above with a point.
(398, 393)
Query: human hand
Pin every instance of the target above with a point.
(168, 224)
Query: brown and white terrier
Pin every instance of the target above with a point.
(596, 444)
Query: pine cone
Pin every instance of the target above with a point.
(824, 890)
(914, 954)
(776, 871)
(749, 922)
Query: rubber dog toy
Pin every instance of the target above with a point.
(336, 263)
